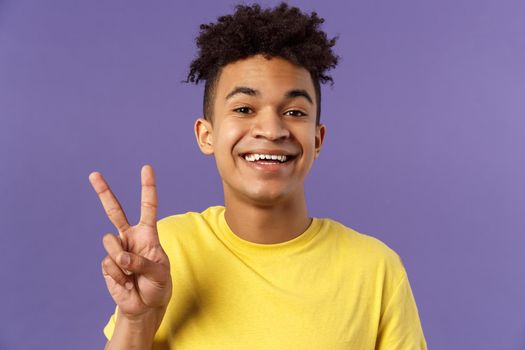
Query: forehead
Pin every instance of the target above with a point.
(269, 76)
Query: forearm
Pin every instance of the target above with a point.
(136, 334)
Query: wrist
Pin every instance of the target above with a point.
(136, 331)
(148, 320)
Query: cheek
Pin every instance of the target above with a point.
(233, 134)
(226, 138)
(306, 137)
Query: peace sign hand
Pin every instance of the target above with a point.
(136, 269)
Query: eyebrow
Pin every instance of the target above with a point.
(299, 93)
(251, 92)
(242, 90)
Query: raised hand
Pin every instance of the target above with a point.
(136, 269)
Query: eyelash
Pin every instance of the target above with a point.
(295, 110)
(238, 110)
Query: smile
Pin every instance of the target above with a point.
(254, 157)
(269, 163)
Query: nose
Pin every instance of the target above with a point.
(270, 125)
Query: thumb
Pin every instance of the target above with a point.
(140, 265)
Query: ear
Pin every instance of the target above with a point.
(204, 134)
(319, 138)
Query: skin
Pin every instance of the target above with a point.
(254, 112)
(136, 268)
(263, 207)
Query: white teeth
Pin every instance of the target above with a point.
(255, 157)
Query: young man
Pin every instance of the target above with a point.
(258, 273)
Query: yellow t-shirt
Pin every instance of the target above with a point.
(329, 288)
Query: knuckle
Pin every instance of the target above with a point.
(119, 278)
(123, 227)
(107, 238)
(110, 270)
(139, 263)
(144, 222)
(149, 205)
(112, 211)
(104, 190)
(105, 264)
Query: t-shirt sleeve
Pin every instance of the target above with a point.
(158, 342)
(400, 327)
(110, 326)
(181, 289)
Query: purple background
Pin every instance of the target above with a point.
(424, 150)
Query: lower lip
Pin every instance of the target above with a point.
(270, 167)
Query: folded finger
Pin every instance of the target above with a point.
(114, 247)
(140, 265)
(111, 269)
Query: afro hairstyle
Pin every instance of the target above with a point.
(282, 31)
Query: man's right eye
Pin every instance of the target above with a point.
(243, 110)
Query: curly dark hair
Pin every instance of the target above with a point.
(281, 31)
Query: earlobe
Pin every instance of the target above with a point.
(204, 135)
(319, 138)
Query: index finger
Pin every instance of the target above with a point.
(109, 202)
(148, 201)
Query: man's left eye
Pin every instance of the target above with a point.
(295, 113)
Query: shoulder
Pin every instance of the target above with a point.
(364, 248)
(190, 224)
(358, 240)
(189, 218)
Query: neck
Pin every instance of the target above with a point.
(267, 224)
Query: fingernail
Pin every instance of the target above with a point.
(129, 285)
(124, 259)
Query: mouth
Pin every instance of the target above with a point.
(267, 158)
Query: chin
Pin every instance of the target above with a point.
(265, 197)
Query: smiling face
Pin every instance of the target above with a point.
(264, 135)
